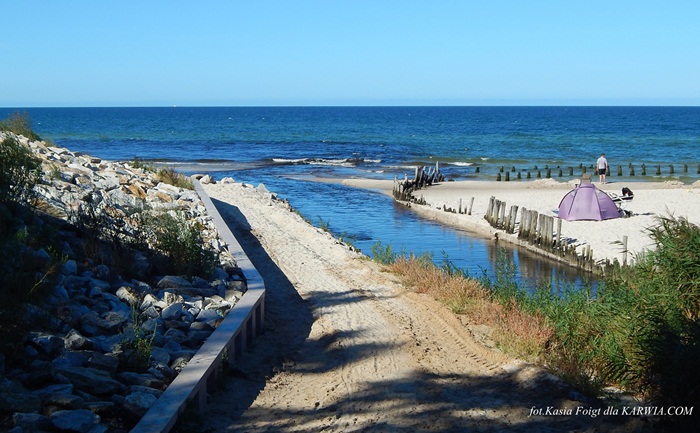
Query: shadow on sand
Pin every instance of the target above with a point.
(421, 401)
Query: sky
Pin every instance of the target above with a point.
(85, 53)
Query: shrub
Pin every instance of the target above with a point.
(383, 254)
(19, 171)
(178, 245)
(20, 124)
(170, 176)
(653, 311)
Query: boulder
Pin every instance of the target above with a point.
(79, 421)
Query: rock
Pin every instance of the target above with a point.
(52, 390)
(171, 298)
(66, 401)
(47, 344)
(75, 341)
(137, 404)
(79, 421)
(19, 402)
(207, 326)
(128, 295)
(173, 282)
(208, 315)
(140, 379)
(172, 311)
(70, 267)
(92, 380)
(160, 355)
(78, 332)
(30, 422)
(233, 295)
(104, 362)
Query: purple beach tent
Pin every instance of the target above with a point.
(586, 202)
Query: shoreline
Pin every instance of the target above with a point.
(651, 201)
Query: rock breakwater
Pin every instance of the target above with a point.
(113, 330)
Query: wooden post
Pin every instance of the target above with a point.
(470, 206)
(533, 227)
(502, 215)
(558, 233)
(489, 209)
(513, 217)
(624, 251)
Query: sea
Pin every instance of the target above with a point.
(293, 150)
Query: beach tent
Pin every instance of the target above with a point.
(586, 202)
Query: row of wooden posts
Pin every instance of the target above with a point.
(539, 230)
(548, 172)
(544, 232)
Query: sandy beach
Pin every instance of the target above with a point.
(347, 348)
(651, 200)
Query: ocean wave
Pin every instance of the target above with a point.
(341, 162)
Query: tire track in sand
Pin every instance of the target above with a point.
(357, 352)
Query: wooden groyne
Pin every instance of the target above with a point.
(544, 233)
(629, 170)
(403, 190)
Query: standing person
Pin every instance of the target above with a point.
(602, 167)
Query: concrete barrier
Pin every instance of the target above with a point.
(226, 344)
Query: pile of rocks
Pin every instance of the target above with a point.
(101, 347)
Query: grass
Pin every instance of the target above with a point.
(172, 177)
(165, 174)
(20, 124)
(640, 332)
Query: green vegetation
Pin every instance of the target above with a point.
(177, 245)
(166, 174)
(137, 350)
(24, 273)
(324, 225)
(20, 124)
(172, 177)
(639, 332)
(19, 171)
(383, 254)
(134, 242)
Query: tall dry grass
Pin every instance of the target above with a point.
(512, 328)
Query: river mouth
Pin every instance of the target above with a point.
(371, 220)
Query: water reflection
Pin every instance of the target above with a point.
(366, 218)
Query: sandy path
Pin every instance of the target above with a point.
(347, 349)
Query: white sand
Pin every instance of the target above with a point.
(348, 349)
(651, 200)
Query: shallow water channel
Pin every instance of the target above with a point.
(366, 217)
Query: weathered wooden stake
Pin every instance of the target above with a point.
(558, 232)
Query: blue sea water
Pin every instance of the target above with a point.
(286, 147)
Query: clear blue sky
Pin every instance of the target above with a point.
(332, 52)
